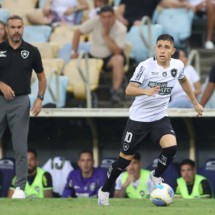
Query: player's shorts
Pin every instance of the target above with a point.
(135, 132)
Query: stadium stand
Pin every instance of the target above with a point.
(208, 170)
(143, 38)
(37, 33)
(7, 168)
(83, 74)
(180, 31)
(4, 14)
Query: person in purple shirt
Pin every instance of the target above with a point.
(86, 181)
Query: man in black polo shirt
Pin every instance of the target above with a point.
(17, 59)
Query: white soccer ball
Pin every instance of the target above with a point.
(162, 195)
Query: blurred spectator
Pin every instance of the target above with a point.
(131, 12)
(179, 98)
(86, 181)
(202, 7)
(134, 182)
(190, 185)
(97, 5)
(39, 183)
(58, 11)
(108, 43)
(3, 34)
(209, 88)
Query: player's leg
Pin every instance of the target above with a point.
(18, 121)
(130, 139)
(165, 135)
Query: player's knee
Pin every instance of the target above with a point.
(121, 163)
(170, 152)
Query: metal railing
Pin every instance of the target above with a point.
(194, 56)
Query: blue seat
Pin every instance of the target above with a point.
(37, 33)
(4, 14)
(208, 170)
(7, 169)
(65, 51)
(177, 22)
(139, 51)
(170, 175)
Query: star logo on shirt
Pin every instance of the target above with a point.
(24, 54)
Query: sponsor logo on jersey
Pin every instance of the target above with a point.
(163, 160)
(164, 89)
(139, 74)
(2, 54)
(174, 72)
(24, 54)
(155, 73)
(37, 189)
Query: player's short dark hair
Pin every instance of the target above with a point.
(14, 17)
(106, 8)
(176, 54)
(137, 156)
(167, 37)
(33, 151)
(188, 162)
(86, 151)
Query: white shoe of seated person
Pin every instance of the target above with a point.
(103, 198)
(156, 180)
(18, 194)
(209, 45)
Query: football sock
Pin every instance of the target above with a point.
(164, 159)
(114, 171)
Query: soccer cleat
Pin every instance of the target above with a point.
(18, 194)
(103, 198)
(156, 180)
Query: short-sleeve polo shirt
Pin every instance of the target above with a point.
(16, 66)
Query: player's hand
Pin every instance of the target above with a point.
(7, 91)
(199, 109)
(152, 91)
(36, 107)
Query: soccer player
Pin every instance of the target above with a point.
(152, 84)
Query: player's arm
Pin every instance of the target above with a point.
(207, 93)
(135, 89)
(47, 185)
(188, 90)
(120, 189)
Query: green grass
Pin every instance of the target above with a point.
(117, 207)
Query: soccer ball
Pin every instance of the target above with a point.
(162, 195)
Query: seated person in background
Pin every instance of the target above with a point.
(191, 185)
(39, 183)
(58, 11)
(3, 34)
(97, 5)
(179, 98)
(86, 181)
(134, 182)
(207, 7)
(209, 88)
(108, 43)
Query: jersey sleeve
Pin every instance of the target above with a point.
(138, 75)
(181, 72)
(37, 62)
(47, 181)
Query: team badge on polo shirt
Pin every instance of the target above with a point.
(24, 54)
(3, 54)
(174, 72)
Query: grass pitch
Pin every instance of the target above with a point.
(117, 207)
